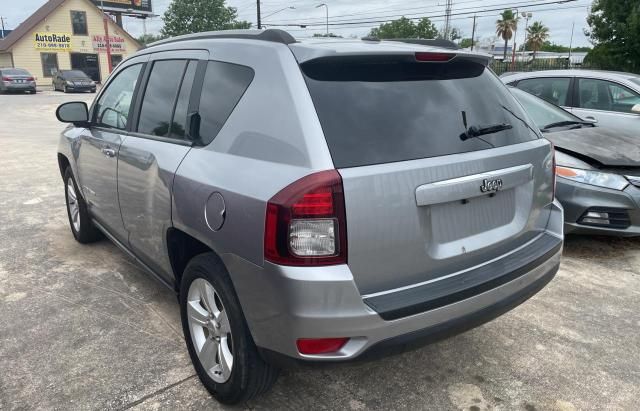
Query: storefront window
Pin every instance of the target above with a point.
(49, 64)
(115, 60)
(79, 22)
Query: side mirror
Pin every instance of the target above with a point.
(590, 119)
(636, 109)
(75, 112)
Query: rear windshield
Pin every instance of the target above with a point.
(15, 72)
(74, 74)
(384, 111)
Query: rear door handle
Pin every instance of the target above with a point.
(109, 152)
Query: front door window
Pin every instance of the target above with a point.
(112, 110)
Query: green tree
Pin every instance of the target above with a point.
(331, 35)
(466, 43)
(425, 29)
(149, 38)
(537, 35)
(404, 28)
(455, 34)
(506, 26)
(614, 30)
(194, 16)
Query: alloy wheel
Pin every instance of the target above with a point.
(210, 330)
(72, 204)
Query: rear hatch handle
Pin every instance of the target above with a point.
(476, 185)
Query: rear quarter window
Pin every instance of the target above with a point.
(388, 111)
(223, 86)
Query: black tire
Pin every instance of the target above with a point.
(250, 375)
(87, 232)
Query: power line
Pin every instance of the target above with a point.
(422, 10)
(384, 19)
(435, 20)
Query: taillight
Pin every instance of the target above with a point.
(4, 78)
(434, 57)
(554, 170)
(320, 345)
(305, 223)
(30, 79)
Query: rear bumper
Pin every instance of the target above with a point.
(81, 88)
(19, 87)
(577, 198)
(282, 304)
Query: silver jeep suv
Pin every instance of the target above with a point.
(314, 200)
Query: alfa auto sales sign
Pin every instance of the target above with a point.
(52, 41)
(116, 44)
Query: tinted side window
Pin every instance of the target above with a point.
(223, 86)
(179, 123)
(605, 95)
(554, 90)
(160, 97)
(112, 110)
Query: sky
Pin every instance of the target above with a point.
(361, 16)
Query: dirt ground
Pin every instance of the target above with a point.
(82, 327)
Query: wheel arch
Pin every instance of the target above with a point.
(183, 247)
(63, 163)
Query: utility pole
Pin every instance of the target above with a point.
(473, 33)
(2, 20)
(571, 42)
(107, 43)
(259, 18)
(527, 16)
(327, 9)
(447, 19)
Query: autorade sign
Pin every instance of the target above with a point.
(52, 41)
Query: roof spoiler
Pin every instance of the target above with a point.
(272, 35)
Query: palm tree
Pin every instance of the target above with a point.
(538, 33)
(506, 26)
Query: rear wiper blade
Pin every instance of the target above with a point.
(475, 131)
(566, 123)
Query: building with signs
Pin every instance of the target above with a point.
(68, 34)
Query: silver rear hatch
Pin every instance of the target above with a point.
(442, 169)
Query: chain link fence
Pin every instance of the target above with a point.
(501, 67)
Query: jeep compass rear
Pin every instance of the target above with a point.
(332, 200)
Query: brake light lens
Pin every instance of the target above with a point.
(305, 223)
(434, 57)
(554, 170)
(30, 79)
(314, 346)
(5, 78)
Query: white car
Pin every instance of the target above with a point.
(612, 99)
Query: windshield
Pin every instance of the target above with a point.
(541, 112)
(74, 74)
(376, 111)
(15, 72)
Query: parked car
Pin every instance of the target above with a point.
(16, 79)
(610, 99)
(73, 80)
(314, 201)
(598, 170)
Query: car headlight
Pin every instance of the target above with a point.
(69, 83)
(594, 178)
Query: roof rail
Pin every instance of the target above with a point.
(447, 44)
(273, 35)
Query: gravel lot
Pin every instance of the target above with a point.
(82, 327)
